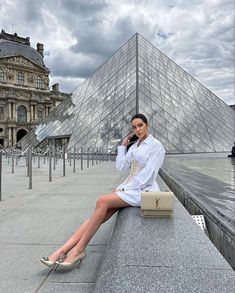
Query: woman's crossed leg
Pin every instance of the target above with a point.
(106, 206)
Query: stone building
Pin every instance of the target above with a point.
(25, 97)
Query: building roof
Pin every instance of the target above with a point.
(10, 49)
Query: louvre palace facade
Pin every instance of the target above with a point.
(25, 97)
(138, 78)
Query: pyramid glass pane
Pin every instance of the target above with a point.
(184, 115)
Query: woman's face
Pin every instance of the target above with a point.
(140, 128)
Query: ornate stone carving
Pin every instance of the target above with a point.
(30, 78)
(21, 61)
(9, 74)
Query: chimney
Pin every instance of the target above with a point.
(40, 49)
(55, 87)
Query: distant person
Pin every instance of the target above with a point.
(233, 152)
(145, 157)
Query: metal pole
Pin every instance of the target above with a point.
(74, 159)
(63, 154)
(27, 162)
(1, 175)
(81, 158)
(38, 160)
(96, 156)
(30, 168)
(88, 157)
(12, 165)
(92, 156)
(54, 161)
(50, 177)
(8, 161)
(70, 157)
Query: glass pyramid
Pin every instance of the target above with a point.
(184, 115)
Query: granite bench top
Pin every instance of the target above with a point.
(162, 255)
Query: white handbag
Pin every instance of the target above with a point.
(157, 204)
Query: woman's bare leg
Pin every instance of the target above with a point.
(74, 239)
(103, 205)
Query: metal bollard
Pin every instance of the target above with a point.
(88, 158)
(0, 175)
(70, 157)
(30, 168)
(63, 155)
(12, 164)
(81, 158)
(92, 157)
(74, 159)
(54, 161)
(49, 154)
(38, 160)
(100, 155)
(96, 156)
(27, 162)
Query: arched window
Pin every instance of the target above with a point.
(22, 114)
(39, 82)
(20, 78)
(1, 75)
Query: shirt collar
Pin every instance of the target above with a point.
(148, 139)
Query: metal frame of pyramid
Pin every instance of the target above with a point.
(138, 78)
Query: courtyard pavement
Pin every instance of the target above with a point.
(33, 223)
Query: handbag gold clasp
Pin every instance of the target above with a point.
(157, 202)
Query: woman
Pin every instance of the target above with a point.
(145, 157)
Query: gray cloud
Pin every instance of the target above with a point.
(79, 35)
(84, 8)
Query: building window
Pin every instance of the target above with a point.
(1, 75)
(39, 82)
(20, 78)
(1, 113)
(40, 115)
(22, 114)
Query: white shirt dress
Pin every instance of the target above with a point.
(145, 161)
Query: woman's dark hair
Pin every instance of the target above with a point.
(140, 116)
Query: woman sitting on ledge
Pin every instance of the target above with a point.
(145, 157)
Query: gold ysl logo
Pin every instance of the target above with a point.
(157, 202)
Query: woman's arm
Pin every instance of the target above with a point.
(122, 161)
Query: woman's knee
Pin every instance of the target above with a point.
(101, 202)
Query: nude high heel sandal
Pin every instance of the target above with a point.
(72, 265)
(49, 263)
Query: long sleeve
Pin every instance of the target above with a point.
(122, 160)
(149, 172)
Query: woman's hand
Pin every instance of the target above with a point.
(126, 140)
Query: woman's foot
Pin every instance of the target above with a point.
(72, 260)
(58, 255)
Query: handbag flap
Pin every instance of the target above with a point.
(157, 200)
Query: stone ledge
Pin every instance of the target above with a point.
(162, 255)
(221, 234)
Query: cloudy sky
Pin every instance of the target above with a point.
(79, 35)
